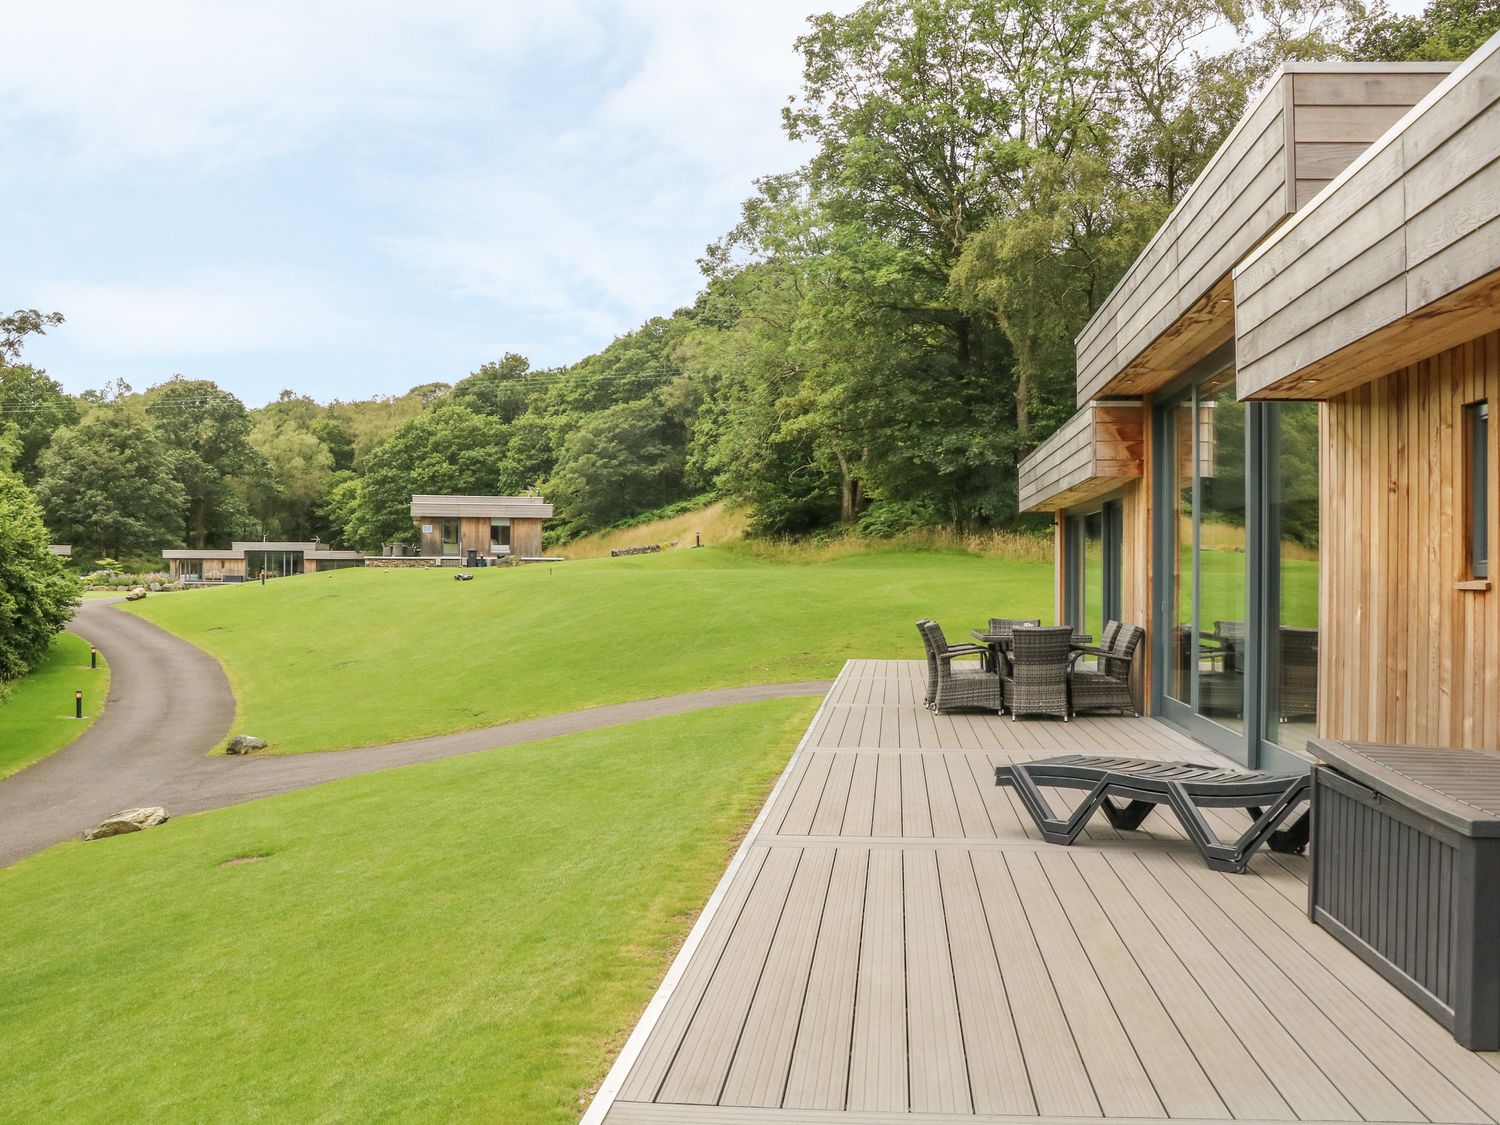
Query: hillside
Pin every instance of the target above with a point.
(361, 657)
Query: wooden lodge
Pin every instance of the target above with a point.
(499, 528)
(246, 562)
(1281, 465)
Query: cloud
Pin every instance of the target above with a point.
(602, 225)
(204, 85)
(211, 312)
(347, 185)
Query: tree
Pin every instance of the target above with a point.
(207, 430)
(37, 597)
(619, 462)
(18, 325)
(498, 389)
(108, 485)
(448, 450)
(297, 470)
(37, 407)
(1446, 29)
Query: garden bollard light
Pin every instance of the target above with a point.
(78, 705)
(93, 657)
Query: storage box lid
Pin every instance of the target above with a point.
(1458, 788)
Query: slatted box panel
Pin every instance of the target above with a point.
(1413, 897)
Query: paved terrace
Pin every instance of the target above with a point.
(893, 943)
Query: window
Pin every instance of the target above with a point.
(450, 544)
(1477, 428)
(1290, 582)
(499, 534)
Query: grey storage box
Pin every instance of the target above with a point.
(1406, 873)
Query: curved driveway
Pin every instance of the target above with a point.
(169, 704)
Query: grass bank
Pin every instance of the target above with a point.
(464, 940)
(36, 712)
(361, 657)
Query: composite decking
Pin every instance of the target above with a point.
(893, 943)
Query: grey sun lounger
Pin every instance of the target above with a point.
(1269, 798)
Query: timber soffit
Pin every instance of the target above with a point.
(1355, 240)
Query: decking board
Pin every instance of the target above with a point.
(897, 944)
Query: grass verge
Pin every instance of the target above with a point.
(36, 712)
(362, 657)
(469, 939)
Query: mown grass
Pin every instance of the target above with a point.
(465, 940)
(360, 657)
(36, 712)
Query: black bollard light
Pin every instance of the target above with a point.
(78, 705)
(93, 657)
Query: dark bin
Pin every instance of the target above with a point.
(1406, 873)
(473, 557)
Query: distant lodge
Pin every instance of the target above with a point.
(241, 562)
(453, 529)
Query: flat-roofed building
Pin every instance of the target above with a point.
(1281, 466)
(245, 562)
(494, 527)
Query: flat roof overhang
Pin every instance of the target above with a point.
(1397, 259)
(1176, 302)
(1092, 454)
(499, 507)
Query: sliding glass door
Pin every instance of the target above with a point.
(1093, 568)
(1235, 645)
(1202, 637)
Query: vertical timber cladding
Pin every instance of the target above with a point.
(525, 538)
(474, 534)
(1408, 656)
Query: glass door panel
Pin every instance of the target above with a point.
(1291, 682)
(1221, 553)
(1180, 594)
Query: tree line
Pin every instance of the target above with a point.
(879, 339)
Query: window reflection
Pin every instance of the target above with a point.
(1182, 580)
(1292, 641)
(1221, 652)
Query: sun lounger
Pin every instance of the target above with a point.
(1269, 799)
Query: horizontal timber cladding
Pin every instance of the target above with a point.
(1397, 260)
(1176, 303)
(1090, 455)
(1406, 655)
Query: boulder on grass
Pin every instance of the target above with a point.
(131, 820)
(136, 594)
(244, 743)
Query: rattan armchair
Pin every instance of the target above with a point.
(952, 687)
(1107, 688)
(1036, 681)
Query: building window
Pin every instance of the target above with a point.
(450, 543)
(1478, 430)
(499, 534)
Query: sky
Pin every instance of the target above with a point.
(350, 199)
(353, 198)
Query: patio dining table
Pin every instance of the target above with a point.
(999, 642)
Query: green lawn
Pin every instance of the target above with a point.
(463, 940)
(360, 657)
(36, 712)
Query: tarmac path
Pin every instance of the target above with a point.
(170, 704)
